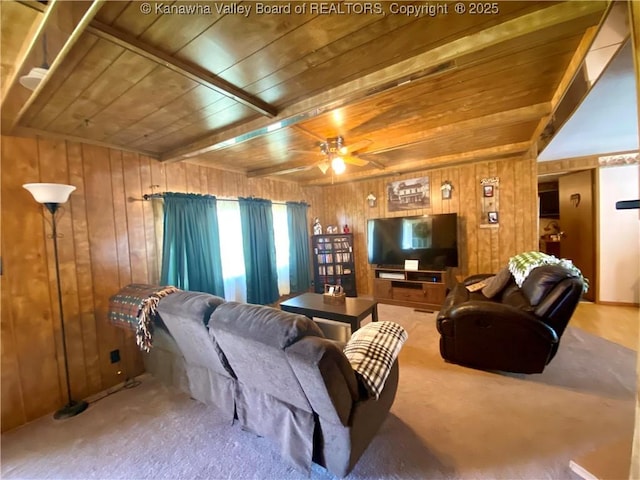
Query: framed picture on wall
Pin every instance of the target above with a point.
(408, 194)
(489, 216)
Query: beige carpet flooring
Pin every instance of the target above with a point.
(447, 422)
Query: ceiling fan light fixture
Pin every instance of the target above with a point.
(324, 166)
(337, 163)
(33, 78)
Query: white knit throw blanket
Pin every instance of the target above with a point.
(521, 265)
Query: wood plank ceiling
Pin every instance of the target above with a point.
(257, 93)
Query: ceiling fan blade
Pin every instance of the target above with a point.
(309, 133)
(359, 162)
(354, 147)
(323, 166)
(370, 159)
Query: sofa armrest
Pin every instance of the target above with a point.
(326, 377)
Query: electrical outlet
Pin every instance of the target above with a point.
(115, 356)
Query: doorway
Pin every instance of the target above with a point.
(567, 222)
(577, 218)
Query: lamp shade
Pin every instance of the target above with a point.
(50, 192)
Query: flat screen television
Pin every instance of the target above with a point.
(430, 239)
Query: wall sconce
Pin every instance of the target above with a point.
(371, 198)
(446, 189)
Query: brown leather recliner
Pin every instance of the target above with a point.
(518, 330)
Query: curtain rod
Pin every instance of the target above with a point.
(149, 196)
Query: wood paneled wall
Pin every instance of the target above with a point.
(480, 249)
(108, 241)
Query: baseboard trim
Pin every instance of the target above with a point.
(619, 304)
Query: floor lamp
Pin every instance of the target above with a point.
(52, 195)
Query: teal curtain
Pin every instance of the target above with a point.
(299, 265)
(191, 247)
(259, 248)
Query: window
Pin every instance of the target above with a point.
(233, 269)
(281, 234)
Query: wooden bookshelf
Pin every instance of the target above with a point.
(333, 262)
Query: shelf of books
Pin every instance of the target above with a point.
(333, 262)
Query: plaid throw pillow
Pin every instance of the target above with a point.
(372, 350)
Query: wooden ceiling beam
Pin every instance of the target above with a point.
(16, 38)
(420, 66)
(59, 29)
(190, 71)
(281, 169)
(429, 163)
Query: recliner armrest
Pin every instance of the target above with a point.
(476, 278)
(458, 295)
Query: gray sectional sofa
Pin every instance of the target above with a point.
(273, 373)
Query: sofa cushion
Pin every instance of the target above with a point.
(372, 351)
(264, 324)
(497, 283)
(516, 299)
(253, 339)
(190, 304)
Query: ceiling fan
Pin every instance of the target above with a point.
(336, 154)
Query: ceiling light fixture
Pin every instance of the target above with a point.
(337, 163)
(324, 166)
(37, 74)
(333, 148)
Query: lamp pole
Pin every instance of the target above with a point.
(72, 407)
(51, 195)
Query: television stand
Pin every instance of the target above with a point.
(419, 289)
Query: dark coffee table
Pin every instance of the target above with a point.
(352, 311)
